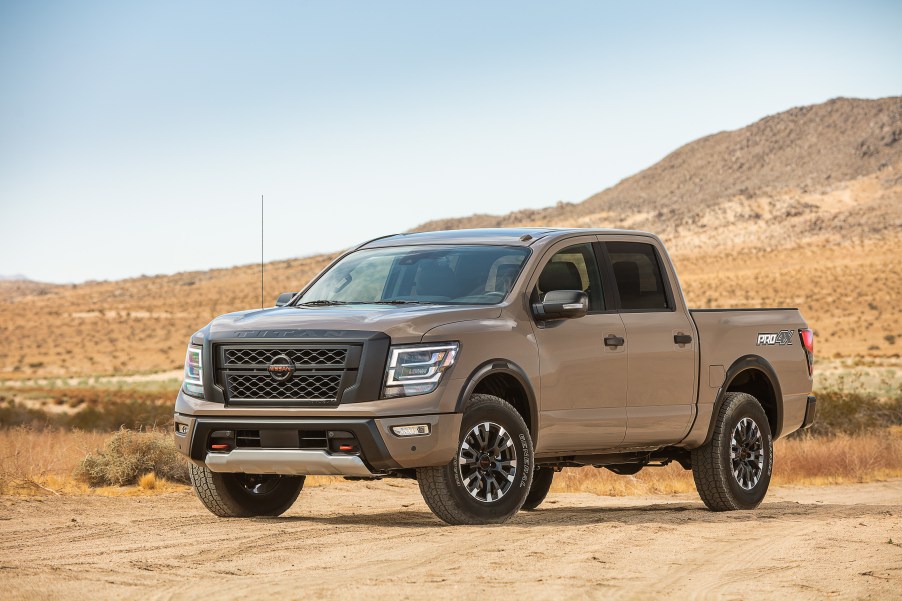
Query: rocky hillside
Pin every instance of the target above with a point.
(802, 208)
(814, 172)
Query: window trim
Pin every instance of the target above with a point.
(665, 278)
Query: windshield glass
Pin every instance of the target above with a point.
(460, 275)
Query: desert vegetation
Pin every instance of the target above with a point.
(122, 444)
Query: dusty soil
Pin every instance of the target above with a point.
(378, 540)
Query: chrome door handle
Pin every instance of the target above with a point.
(614, 341)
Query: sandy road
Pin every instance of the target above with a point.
(378, 540)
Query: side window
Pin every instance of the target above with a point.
(573, 268)
(638, 276)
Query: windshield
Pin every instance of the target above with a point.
(460, 275)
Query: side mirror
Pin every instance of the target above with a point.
(562, 304)
(285, 298)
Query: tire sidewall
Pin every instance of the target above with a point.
(272, 503)
(505, 416)
(747, 406)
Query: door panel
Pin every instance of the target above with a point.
(661, 374)
(583, 382)
(661, 378)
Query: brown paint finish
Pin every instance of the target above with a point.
(587, 398)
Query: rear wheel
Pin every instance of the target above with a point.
(490, 476)
(541, 483)
(244, 495)
(733, 470)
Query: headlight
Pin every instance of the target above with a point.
(194, 372)
(417, 369)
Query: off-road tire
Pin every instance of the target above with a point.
(712, 466)
(541, 482)
(225, 495)
(443, 487)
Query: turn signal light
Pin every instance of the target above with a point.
(415, 430)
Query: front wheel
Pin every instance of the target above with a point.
(490, 476)
(733, 470)
(244, 495)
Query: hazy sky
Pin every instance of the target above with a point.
(136, 138)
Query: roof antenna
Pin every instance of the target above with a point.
(261, 251)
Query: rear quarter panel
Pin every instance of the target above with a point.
(727, 335)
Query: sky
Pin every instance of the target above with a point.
(136, 138)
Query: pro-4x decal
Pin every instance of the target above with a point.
(782, 337)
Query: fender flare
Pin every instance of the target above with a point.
(743, 364)
(502, 366)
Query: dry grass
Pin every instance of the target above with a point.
(33, 461)
(801, 460)
(43, 462)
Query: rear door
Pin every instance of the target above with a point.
(660, 341)
(583, 381)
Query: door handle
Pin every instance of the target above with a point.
(682, 338)
(614, 341)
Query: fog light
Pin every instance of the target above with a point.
(417, 430)
(181, 428)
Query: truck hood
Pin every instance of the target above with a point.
(403, 324)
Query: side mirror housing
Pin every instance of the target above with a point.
(562, 304)
(285, 298)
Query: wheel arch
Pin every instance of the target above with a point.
(754, 375)
(507, 380)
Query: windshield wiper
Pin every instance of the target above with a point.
(401, 302)
(321, 303)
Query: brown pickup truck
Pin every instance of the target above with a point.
(480, 363)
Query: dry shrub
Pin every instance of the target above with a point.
(844, 411)
(128, 455)
(148, 481)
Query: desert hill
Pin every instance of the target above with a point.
(802, 208)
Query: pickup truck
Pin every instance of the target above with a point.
(481, 362)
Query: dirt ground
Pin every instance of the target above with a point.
(378, 540)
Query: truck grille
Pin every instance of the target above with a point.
(321, 373)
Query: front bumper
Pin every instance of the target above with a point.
(379, 450)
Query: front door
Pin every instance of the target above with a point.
(583, 381)
(660, 345)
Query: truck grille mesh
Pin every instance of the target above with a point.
(300, 387)
(325, 357)
(321, 373)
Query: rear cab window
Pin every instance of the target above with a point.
(638, 275)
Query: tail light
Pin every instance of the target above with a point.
(807, 337)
